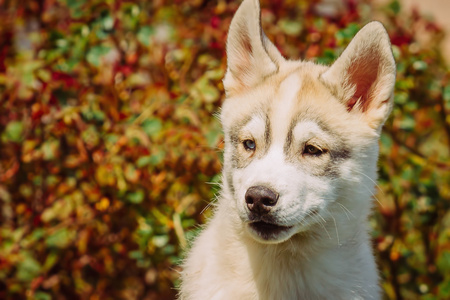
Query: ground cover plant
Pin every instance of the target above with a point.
(110, 150)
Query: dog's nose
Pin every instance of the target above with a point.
(260, 199)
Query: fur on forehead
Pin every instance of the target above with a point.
(262, 96)
(314, 102)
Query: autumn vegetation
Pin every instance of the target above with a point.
(110, 150)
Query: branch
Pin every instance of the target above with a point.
(414, 151)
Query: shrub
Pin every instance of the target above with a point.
(109, 140)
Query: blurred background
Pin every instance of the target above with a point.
(110, 149)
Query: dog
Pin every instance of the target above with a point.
(300, 165)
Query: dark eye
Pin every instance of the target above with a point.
(313, 150)
(249, 145)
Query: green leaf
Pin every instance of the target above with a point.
(407, 123)
(144, 35)
(74, 4)
(143, 161)
(395, 7)
(214, 134)
(420, 65)
(290, 27)
(13, 131)
(50, 149)
(347, 33)
(210, 93)
(446, 94)
(42, 296)
(215, 74)
(207, 91)
(405, 84)
(28, 269)
(160, 240)
(136, 197)
(38, 233)
(50, 261)
(386, 140)
(108, 22)
(401, 98)
(136, 254)
(99, 115)
(60, 238)
(96, 53)
(328, 57)
(152, 127)
(90, 136)
(444, 290)
(153, 160)
(76, 7)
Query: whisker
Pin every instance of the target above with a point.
(292, 244)
(376, 185)
(373, 181)
(211, 203)
(335, 225)
(374, 196)
(322, 223)
(206, 207)
(345, 209)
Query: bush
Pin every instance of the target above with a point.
(109, 140)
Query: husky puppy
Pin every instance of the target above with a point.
(301, 149)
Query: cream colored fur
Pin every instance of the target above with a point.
(324, 200)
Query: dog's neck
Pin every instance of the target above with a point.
(297, 264)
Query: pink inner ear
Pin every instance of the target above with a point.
(362, 74)
(351, 103)
(245, 52)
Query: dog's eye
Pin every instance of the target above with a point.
(313, 150)
(249, 145)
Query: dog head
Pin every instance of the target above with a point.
(301, 138)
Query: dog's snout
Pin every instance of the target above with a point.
(260, 199)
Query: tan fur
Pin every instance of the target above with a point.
(283, 107)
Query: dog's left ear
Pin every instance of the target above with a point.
(363, 77)
(251, 56)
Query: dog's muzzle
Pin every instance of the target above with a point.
(260, 200)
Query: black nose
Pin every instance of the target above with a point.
(260, 199)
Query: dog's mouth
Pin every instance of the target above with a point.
(268, 231)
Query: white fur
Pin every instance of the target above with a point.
(289, 89)
(324, 200)
(255, 127)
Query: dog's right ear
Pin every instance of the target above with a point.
(251, 56)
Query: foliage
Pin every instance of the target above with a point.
(109, 140)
